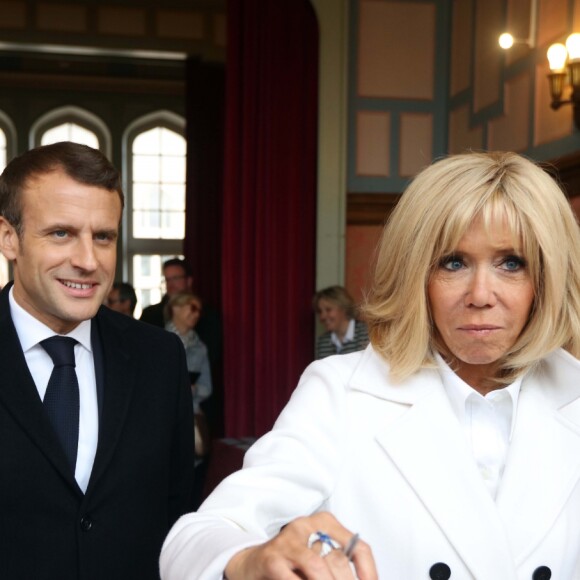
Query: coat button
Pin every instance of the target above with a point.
(86, 523)
(440, 571)
(542, 573)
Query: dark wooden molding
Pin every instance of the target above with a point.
(375, 208)
(93, 84)
(566, 170)
(369, 209)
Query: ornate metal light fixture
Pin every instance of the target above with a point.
(564, 61)
(565, 69)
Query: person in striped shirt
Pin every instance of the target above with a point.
(336, 310)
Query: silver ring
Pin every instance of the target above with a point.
(327, 544)
(348, 551)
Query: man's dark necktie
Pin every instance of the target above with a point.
(61, 400)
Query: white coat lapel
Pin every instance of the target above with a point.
(429, 448)
(543, 464)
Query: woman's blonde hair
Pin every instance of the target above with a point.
(179, 300)
(430, 219)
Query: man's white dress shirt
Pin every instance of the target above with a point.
(30, 333)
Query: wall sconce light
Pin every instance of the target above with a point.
(506, 40)
(565, 66)
(564, 63)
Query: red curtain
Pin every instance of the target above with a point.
(268, 242)
(205, 103)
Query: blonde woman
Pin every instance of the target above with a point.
(451, 445)
(182, 313)
(336, 310)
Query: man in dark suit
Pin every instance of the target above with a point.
(102, 511)
(178, 278)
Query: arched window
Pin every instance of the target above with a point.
(70, 132)
(7, 151)
(155, 186)
(158, 184)
(71, 124)
(3, 152)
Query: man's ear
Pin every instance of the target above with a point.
(9, 241)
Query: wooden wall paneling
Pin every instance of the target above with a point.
(370, 208)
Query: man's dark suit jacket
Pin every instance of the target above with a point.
(143, 469)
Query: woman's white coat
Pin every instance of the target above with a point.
(391, 462)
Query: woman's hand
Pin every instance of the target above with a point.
(287, 556)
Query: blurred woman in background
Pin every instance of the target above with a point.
(182, 313)
(337, 312)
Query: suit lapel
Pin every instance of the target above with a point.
(543, 465)
(428, 446)
(118, 381)
(542, 469)
(430, 450)
(19, 395)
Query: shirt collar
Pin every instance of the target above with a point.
(459, 392)
(31, 331)
(189, 339)
(348, 337)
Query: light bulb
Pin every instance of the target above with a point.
(506, 40)
(573, 46)
(557, 57)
